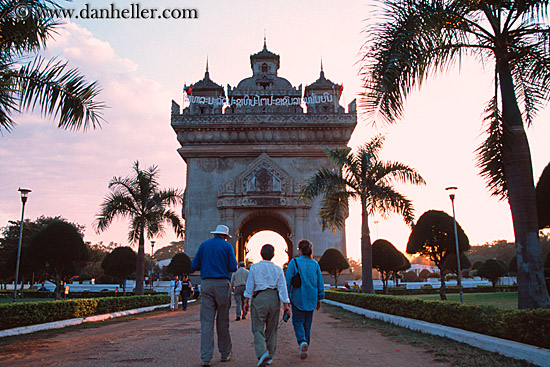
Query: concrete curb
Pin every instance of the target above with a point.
(77, 321)
(508, 348)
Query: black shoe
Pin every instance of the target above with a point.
(237, 319)
(244, 317)
(228, 358)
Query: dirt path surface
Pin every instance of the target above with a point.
(173, 339)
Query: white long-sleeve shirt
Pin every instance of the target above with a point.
(264, 275)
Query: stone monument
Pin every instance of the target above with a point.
(249, 152)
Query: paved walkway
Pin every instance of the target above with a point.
(173, 339)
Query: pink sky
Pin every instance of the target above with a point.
(142, 71)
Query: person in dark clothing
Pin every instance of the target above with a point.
(186, 287)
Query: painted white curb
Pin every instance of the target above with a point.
(508, 348)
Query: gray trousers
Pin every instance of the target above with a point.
(215, 304)
(264, 311)
(239, 298)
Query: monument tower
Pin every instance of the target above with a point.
(249, 152)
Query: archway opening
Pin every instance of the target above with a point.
(259, 239)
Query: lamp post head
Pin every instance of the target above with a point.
(24, 194)
(451, 190)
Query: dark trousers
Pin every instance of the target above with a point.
(184, 297)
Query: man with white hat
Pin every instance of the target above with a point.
(215, 259)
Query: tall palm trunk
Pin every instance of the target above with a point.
(140, 264)
(366, 250)
(516, 156)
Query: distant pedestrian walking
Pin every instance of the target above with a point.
(186, 287)
(238, 282)
(306, 297)
(216, 260)
(265, 290)
(174, 290)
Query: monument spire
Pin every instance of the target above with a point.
(265, 40)
(206, 73)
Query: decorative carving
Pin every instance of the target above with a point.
(263, 175)
(207, 164)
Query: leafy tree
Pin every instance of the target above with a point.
(433, 237)
(168, 252)
(451, 265)
(333, 262)
(48, 84)
(418, 38)
(365, 177)
(10, 233)
(477, 265)
(387, 260)
(120, 264)
(59, 248)
(424, 274)
(97, 252)
(180, 265)
(543, 198)
(139, 198)
(493, 269)
(513, 265)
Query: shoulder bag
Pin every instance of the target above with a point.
(296, 281)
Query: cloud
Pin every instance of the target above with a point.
(69, 171)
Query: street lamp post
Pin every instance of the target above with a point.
(451, 190)
(151, 275)
(24, 196)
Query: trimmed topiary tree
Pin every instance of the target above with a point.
(493, 269)
(433, 237)
(542, 192)
(179, 265)
(120, 264)
(333, 262)
(387, 260)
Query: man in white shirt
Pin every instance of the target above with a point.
(264, 292)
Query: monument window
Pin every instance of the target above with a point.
(265, 68)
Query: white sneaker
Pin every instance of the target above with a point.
(263, 360)
(303, 350)
(269, 362)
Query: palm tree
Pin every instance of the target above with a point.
(361, 176)
(139, 198)
(57, 91)
(420, 37)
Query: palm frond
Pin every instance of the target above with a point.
(114, 205)
(334, 210)
(385, 200)
(322, 182)
(489, 153)
(397, 172)
(59, 93)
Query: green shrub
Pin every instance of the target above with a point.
(30, 313)
(524, 326)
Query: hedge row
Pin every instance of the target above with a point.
(34, 293)
(429, 289)
(525, 326)
(30, 313)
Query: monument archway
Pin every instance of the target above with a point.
(262, 221)
(249, 149)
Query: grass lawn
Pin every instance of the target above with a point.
(508, 300)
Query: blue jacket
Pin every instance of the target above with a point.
(312, 290)
(215, 259)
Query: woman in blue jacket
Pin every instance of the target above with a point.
(306, 298)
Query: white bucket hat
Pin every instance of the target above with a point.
(221, 229)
